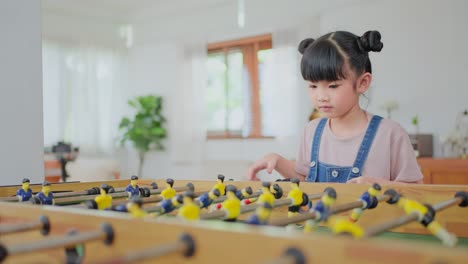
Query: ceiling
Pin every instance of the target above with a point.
(121, 9)
(164, 19)
(138, 9)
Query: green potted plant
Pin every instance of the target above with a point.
(415, 122)
(146, 129)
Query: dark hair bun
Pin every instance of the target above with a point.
(370, 41)
(305, 44)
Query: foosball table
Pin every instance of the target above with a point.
(167, 221)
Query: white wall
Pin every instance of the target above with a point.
(21, 86)
(78, 30)
(153, 69)
(423, 63)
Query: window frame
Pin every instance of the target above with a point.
(249, 47)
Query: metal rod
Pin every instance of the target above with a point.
(56, 242)
(212, 215)
(293, 219)
(251, 207)
(378, 229)
(184, 246)
(333, 210)
(406, 219)
(42, 223)
(80, 199)
(106, 234)
(72, 193)
(177, 247)
(443, 205)
(223, 198)
(22, 227)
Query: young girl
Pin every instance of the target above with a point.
(348, 144)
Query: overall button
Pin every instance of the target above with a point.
(334, 173)
(312, 164)
(355, 170)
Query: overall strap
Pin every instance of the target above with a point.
(315, 150)
(365, 147)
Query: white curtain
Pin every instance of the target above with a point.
(283, 89)
(187, 118)
(82, 95)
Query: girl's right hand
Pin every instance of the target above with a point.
(268, 162)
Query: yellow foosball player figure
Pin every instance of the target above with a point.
(267, 196)
(232, 204)
(103, 200)
(24, 193)
(297, 197)
(426, 216)
(340, 225)
(190, 210)
(134, 207)
(321, 209)
(220, 185)
(261, 216)
(45, 196)
(168, 192)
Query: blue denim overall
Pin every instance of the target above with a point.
(322, 172)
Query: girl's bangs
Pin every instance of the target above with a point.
(322, 62)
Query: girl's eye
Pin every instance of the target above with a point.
(333, 86)
(313, 86)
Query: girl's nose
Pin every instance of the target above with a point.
(322, 97)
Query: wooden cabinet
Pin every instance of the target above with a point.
(444, 171)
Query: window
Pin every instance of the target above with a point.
(234, 93)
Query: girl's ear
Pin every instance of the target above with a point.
(363, 82)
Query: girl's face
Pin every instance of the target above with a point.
(337, 98)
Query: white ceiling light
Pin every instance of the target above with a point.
(126, 32)
(241, 13)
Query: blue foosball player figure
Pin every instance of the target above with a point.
(244, 193)
(369, 200)
(24, 193)
(133, 189)
(170, 205)
(206, 199)
(45, 196)
(321, 209)
(120, 208)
